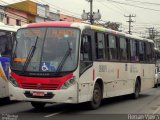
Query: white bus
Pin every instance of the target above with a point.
(68, 62)
(6, 42)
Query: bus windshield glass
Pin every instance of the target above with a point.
(46, 49)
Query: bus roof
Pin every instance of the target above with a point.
(83, 26)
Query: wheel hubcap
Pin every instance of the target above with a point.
(137, 89)
(96, 96)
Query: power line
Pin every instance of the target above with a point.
(111, 8)
(144, 2)
(120, 7)
(134, 5)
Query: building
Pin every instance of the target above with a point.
(15, 17)
(34, 12)
(53, 16)
(28, 12)
(29, 7)
(2, 14)
(69, 18)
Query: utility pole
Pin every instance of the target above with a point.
(91, 11)
(151, 32)
(91, 16)
(130, 22)
(154, 35)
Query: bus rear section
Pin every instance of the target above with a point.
(4, 73)
(7, 34)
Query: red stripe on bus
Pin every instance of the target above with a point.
(46, 83)
(118, 73)
(93, 74)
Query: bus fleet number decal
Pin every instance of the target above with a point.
(102, 68)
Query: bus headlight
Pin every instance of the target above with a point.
(68, 83)
(13, 81)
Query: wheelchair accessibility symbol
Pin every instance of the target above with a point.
(44, 67)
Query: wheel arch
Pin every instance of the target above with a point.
(101, 83)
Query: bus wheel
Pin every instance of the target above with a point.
(96, 98)
(137, 89)
(38, 105)
(156, 85)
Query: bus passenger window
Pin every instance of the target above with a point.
(148, 52)
(85, 53)
(153, 53)
(141, 51)
(86, 48)
(100, 47)
(112, 47)
(133, 49)
(123, 48)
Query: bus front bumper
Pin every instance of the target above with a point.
(50, 96)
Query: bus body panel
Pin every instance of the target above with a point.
(60, 96)
(4, 89)
(116, 80)
(86, 83)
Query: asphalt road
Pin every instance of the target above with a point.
(117, 108)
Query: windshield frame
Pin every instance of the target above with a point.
(48, 73)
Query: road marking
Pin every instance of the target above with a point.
(155, 112)
(53, 114)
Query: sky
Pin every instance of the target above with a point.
(147, 12)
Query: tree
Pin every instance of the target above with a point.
(112, 25)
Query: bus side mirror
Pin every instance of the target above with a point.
(86, 47)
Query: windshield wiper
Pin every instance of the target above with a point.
(68, 52)
(30, 55)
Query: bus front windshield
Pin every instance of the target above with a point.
(46, 49)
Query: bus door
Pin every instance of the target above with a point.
(86, 74)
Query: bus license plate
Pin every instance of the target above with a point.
(38, 93)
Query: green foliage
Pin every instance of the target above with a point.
(112, 25)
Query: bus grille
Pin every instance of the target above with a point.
(39, 86)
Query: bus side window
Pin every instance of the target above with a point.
(113, 55)
(85, 53)
(86, 48)
(148, 52)
(153, 53)
(134, 50)
(100, 46)
(141, 51)
(123, 48)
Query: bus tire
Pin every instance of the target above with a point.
(38, 105)
(156, 84)
(137, 90)
(96, 98)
